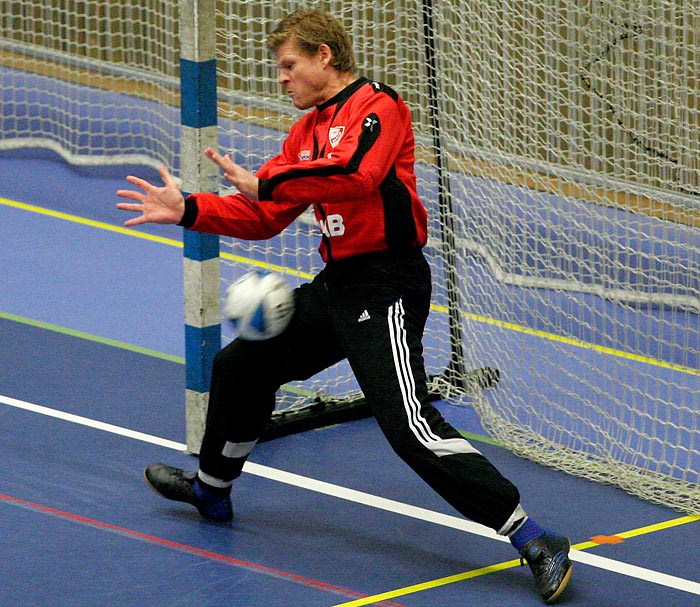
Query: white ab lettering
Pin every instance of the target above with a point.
(332, 226)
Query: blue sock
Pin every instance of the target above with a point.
(208, 493)
(528, 531)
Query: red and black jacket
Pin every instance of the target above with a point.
(350, 158)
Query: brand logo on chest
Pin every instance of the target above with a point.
(335, 134)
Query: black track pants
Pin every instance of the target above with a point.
(372, 311)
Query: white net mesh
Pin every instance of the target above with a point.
(93, 80)
(570, 166)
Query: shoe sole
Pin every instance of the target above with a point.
(562, 586)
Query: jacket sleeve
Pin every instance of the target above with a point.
(238, 216)
(376, 128)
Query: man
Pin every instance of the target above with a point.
(351, 158)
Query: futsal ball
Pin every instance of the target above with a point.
(259, 305)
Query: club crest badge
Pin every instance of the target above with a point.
(335, 134)
(305, 155)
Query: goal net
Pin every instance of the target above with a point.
(558, 155)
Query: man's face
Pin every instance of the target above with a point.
(304, 77)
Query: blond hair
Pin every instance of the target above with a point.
(311, 29)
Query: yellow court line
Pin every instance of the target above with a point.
(144, 236)
(582, 344)
(343, 493)
(444, 581)
(292, 272)
(89, 222)
(451, 579)
(683, 520)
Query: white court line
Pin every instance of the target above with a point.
(91, 423)
(367, 499)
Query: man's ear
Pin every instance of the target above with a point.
(325, 54)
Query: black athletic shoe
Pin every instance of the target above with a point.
(548, 557)
(178, 485)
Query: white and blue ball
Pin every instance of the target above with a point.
(259, 304)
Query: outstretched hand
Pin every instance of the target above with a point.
(235, 174)
(157, 204)
(166, 204)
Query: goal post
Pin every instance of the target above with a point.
(558, 155)
(202, 278)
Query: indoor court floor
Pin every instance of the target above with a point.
(92, 390)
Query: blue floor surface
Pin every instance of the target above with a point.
(79, 527)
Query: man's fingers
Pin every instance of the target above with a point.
(130, 194)
(167, 178)
(144, 185)
(136, 221)
(127, 206)
(213, 155)
(224, 162)
(218, 159)
(134, 208)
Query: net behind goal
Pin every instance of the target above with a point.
(559, 157)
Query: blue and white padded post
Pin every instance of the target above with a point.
(198, 174)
